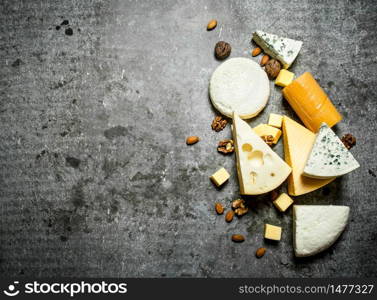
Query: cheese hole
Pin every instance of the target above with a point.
(272, 174)
(256, 158)
(253, 177)
(268, 159)
(247, 147)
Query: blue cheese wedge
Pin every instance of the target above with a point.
(317, 227)
(329, 157)
(283, 49)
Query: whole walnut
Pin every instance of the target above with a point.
(222, 50)
(272, 68)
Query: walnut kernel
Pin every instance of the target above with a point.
(239, 207)
(219, 123)
(268, 139)
(226, 146)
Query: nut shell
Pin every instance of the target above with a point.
(260, 252)
(256, 51)
(229, 216)
(192, 140)
(272, 68)
(264, 60)
(211, 25)
(238, 238)
(222, 50)
(219, 208)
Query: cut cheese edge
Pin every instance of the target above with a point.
(298, 142)
(260, 169)
(283, 49)
(239, 85)
(329, 157)
(317, 227)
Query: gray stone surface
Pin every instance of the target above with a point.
(95, 176)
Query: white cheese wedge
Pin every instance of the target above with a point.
(239, 85)
(283, 49)
(317, 227)
(329, 157)
(259, 168)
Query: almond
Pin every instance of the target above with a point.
(229, 216)
(192, 140)
(260, 252)
(264, 60)
(219, 208)
(238, 238)
(212, 24)
(256, 51)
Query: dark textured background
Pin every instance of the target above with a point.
(96, 179)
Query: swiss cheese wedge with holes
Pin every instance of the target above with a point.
(259, 168)
(298, 143)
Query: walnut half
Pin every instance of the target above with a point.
(226, 146)
(239, 207)
(268, 139)
(349, 141)
(219, 123)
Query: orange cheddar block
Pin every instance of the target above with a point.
(311, 103)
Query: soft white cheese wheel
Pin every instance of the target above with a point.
(317, 227)
(239, 85)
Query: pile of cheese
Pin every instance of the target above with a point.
(313, 154)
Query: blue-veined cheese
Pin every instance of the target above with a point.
(283, 49)
(329, 157)
(317, 227)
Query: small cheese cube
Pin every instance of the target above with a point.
(272, 232)
(220, 177)
(275, 120)
(265, 130)
(284, 78)
(283, 202)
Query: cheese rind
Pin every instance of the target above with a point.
(317, 227)
(283, 202)
(239, 84)
(275, 120)
(329, 157)
(283, 49)
(220, 176)
(259, 168)
(298, 142)
(272, 232)
(265, 130)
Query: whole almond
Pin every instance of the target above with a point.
(229, 216)
(219, 208)
(212, 24)
(192, 140)
(238, 238)
(260, 252)
(256, 51)
(264, 60)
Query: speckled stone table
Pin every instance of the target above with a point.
(96, 100)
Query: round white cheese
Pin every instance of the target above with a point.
(239, 85)
(317, 227)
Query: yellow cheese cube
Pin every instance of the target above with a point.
(283, 202)
(275, 120)
(284, 78)
(272, 232)
(220, 177)
(264, 130)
